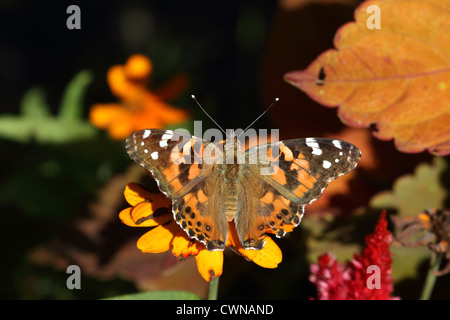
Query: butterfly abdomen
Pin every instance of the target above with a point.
(231, 189)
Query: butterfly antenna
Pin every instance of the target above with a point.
(275, 100)
(195, 99)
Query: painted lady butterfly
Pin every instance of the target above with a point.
(206, 195)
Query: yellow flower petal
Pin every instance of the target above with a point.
(142, 216)
(183, 246)
(158, 239)
(134, 194)
(209, 264)
(269, 256)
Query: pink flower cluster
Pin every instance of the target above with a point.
(366, 277)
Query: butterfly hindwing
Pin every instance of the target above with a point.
(199, 214)
(265, 209)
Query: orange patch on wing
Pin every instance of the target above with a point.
(300, 191)
(288, 155)
(306, 179)
(268, 198)
(176, 185)
(300, 163)
(279, 175)
(201, 196)
(171, 172)
(278, 204)
(194, 171)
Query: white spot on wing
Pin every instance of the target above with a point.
(154, 155)
(312, 143)
(326, 164)
(145, 150)
(168, 135)
(142, 143)
(146, 134)
(341, 153)
(163, 143)
(337, 144)
(317, 151)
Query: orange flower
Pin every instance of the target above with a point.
(138, 107)
(154, 210)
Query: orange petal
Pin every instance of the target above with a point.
(119, 84)
(121, 128)
(233, 239)
(210, 264)
(158, 239)
(269, 256)
(183, 246)
(138, 67)
(134, 194)
(142, 216)
(101, 115)
(162, 110)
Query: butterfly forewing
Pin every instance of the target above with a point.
(171, 156)
(179, 163)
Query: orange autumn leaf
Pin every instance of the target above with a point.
(397, 77)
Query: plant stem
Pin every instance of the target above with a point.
(435, 262)
(213, 289)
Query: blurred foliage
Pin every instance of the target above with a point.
(413, 193)
(35, 121)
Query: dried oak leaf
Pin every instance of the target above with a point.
(397, 77)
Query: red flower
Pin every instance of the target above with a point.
(366, 277)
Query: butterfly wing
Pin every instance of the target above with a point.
(295, 174)
(184, 167)
(200, 214)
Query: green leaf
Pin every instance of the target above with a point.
(16, 128)
(72, 100)
(34, 105)
(55, 130)
(414, 257)
(158, 295)
(414, 193)
(37, 122)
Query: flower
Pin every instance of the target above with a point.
(138, 107)
(353, 280)
(431, 228)
(154, 210)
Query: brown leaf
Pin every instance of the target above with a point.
(397, 77)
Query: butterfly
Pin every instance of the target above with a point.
(208, 190)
